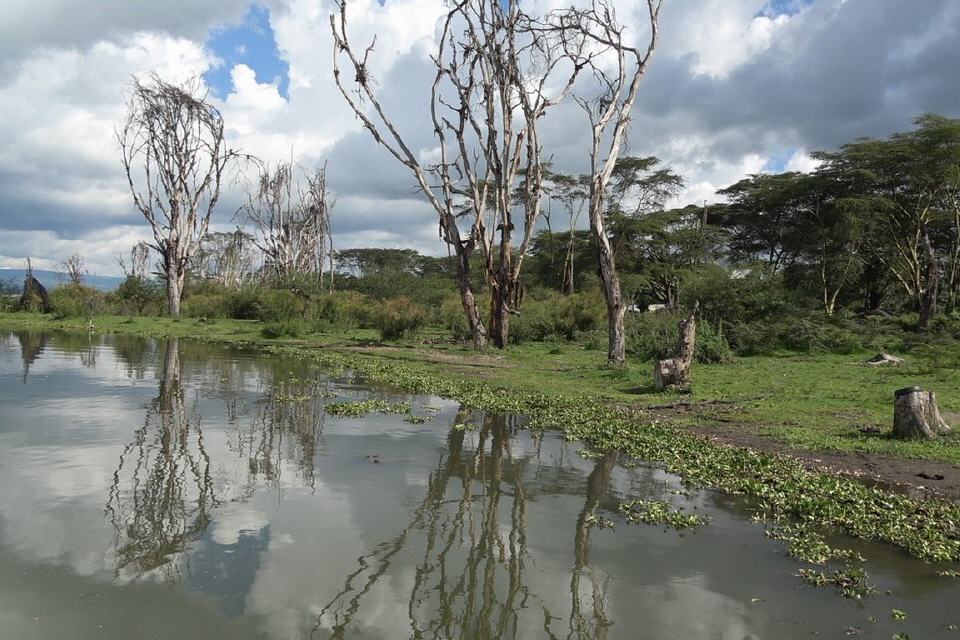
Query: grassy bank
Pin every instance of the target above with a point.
(812, 402)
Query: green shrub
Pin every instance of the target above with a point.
(397, 318)
(280, 306)
(808, 333)
(558, 317)
(452, 318)
(76, 300)
(651, 336)
(244, 304)
(201, 305)
(287, 328)
(341, 309)
(137, 295)
(754, 297)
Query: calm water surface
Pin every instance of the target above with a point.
(182, 490)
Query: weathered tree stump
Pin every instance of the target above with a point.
(675, 372)
(916, 414)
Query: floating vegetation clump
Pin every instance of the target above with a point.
(598, 521)
(360, 408)
(660, 512)
(415, 419)
(809, 546)
(849, 582)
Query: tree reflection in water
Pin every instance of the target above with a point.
(590, 621)
(162, 493)
(472, 527)
(287, 426)
(32, 344)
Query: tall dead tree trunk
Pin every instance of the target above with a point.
(596, 31)
(916, 414)
(675, 372)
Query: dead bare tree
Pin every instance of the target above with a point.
(74, 269)
(227, 257)
(137, 264)
(617, 74)
(175, 156)
(291, 219)
(494, 72)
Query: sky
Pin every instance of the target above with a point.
(736, 87)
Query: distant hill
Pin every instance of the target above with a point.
(53, 279)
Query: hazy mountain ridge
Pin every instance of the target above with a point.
(53, 279)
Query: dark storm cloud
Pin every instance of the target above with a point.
(838, 71)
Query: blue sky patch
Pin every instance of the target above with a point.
(778, 161)
(789, 7)
(252, 43)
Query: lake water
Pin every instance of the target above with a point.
(153, 489)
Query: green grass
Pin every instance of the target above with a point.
(809, 402)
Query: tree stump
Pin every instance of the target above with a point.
(916, 415)
(675, 371)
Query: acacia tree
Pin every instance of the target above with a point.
(617, 75)
(906, 187)
(291, 216)
(764, 217)
(174, 154)
(493, 69)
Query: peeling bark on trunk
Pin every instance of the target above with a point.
(916, 414)
(675, 372)
(174, 287)
(478, 332)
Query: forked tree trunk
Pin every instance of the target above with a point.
(916, 414)
(675, 372)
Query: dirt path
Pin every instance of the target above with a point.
(915, 478)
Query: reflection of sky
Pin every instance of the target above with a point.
(278, 550)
